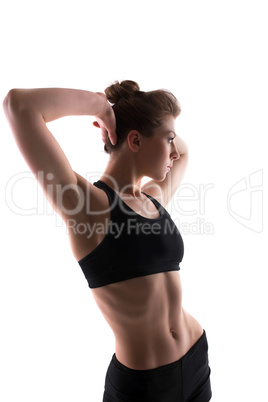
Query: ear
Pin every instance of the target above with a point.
(134, 139)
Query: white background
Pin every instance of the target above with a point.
(54, 343)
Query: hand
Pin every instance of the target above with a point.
(105, 120)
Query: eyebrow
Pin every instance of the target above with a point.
(170, 131)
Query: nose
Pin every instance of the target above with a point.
(174, 154)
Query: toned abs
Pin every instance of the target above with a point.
(151, 327)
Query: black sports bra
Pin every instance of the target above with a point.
(133, 246)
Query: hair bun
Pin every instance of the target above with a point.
(124, 90)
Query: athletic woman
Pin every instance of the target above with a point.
(132, 250)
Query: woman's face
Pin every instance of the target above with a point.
(159, 152)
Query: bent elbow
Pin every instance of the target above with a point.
(11, 102)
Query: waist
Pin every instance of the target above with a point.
(145, 347)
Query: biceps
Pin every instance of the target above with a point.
(175, 177)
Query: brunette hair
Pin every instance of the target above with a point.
(138, 110)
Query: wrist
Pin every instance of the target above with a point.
(100, 105)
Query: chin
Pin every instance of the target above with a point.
(158, 177)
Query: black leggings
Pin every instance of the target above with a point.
(186, 380)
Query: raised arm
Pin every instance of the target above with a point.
(28, 111)
(175, 176)
(165, 190)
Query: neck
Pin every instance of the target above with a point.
(121, 174)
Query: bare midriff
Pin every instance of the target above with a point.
(150, 326)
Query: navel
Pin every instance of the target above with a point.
(173, 333)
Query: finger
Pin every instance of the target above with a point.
(96, 124)
(104, 134)
(113, 137)
(112, 128)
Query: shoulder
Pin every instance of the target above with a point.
(90, 198)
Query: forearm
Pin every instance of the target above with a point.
(181, 146)
(53, 103)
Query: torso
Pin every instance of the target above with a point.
(150, 326)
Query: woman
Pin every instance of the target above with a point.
(132, 249)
